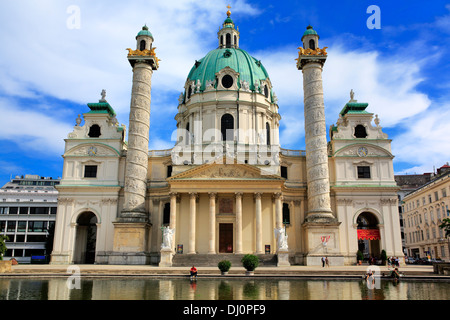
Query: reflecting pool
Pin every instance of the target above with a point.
(218, 289)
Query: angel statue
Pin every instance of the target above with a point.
(167, 238)
(281, 237)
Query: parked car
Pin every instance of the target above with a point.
(411, 260)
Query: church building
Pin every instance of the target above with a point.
(227, 187)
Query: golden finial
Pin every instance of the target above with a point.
(228, 12)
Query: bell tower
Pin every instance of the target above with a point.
(132, 227)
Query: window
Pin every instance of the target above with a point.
(94, 131)
(228, 40)
(37, 226)
(39, 210)
(169, 171)
(286, 214)
(227, 127)
(266, 91)
(90, 171)
(13, 210)
(188, 134)
(363, 172)
(166, 214)
(227, 81)
(21, 226)
(429, 198)
(11, 226)
(444, 193)
(3, 210)
(360, 131)
(312, 44)
(268, 133)
(142, 45)
(284, 172)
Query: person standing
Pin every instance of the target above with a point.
(323, 262)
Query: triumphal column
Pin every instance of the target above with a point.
(131, 229)
(319, 221)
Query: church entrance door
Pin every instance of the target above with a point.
(225, 238)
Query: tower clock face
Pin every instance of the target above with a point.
(362, 151)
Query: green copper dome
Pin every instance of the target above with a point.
(309, 30)
(249, 68)
(144, 32)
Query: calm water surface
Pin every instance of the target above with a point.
(218, 289)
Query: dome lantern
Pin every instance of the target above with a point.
(228, 36)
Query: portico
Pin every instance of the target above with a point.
(246, 203)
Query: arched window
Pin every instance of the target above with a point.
(189, 92)
(188, 134)
(312, 44)
(360, 131)
(227, 127)
(286, 214)
(142, 45)
(268, 133)
(228, 40)
(221, 40)
(166, 214)
(266, 91)
(235, 41)
(94, 131)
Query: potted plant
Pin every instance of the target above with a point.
(224, 266)
(359, 256)
(250, 263)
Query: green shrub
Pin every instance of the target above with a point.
(224, 265)
(250, 262)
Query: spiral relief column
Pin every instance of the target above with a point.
(320, 221)
(131, 229)
(311, 60)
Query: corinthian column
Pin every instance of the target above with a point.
(212, 223)
(238, 222)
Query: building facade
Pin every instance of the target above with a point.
(424, 210)
(28, 206)
(227, 186)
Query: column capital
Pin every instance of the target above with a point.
(238, 194)
(212, 195)
(278, 195)
(193, 194)
(258, 195)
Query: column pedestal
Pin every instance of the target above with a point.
(130, 243)
(166, 257)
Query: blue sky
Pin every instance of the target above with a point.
(57, 56)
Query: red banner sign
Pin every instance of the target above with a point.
(369, 234)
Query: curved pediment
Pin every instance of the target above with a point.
(362, 150)
(92, 150)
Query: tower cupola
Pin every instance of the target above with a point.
(310, 39)
(228, 35)
(144, 39)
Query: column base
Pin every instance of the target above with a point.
(130, 243)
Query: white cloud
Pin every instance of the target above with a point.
(30, 130)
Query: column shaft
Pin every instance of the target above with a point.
(317, 175)
(258, 216)
(238, 222)
(278, 211)
(192, 222)
(212, 223)
(135, 186)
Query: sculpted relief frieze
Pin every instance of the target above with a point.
(225, 172)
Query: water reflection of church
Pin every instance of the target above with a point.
(227, 187)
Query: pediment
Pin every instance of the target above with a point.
(370, 151)
(92, 150)
(226, 171)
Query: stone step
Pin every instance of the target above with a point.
(211, 260)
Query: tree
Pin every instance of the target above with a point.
(446, 226)
(3, 245)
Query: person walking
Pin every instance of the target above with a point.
(323, 262)
(327, 263)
